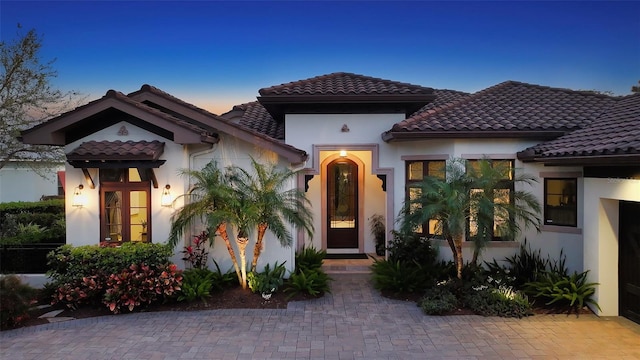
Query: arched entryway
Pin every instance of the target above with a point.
(342, 204)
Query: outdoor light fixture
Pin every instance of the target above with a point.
(343, 153)
(166, 199)
(79, 200)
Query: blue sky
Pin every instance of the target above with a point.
(215, 54)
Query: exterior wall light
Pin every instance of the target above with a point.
(79, 199)
(166, 199)
(343, 153)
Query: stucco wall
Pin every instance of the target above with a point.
(306, 130)
(601, 214)
(83, 225)
(231, 151)
(19, 183)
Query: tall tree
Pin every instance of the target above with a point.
(472, 196)
(275, 204)
(210, 201)
(244, 201)
(27, 98)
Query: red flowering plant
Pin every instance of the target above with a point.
(196, 255)
(141, 284)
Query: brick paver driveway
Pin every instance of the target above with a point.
(352, 323)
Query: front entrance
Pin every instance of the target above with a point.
(629, 260)
(342, 204)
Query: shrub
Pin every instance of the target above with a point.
(310, 259)
(438, 300)
(378, 230)
(311, 282)
(502, 301)
(141, 284)
(399, 277)
(15, 300)
(268, 281)
(81, 273)
(196, 256)
(32, 222)
(526, 265)
(410, 248)
(563, 290)
(411, 267)
(69, 263)
(87, 290)
(221, 280)
(196, 284)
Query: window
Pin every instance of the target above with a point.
(416, 172)
(502, 194)
(560, 202)
(124, 205)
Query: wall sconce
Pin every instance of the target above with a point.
(343, 153)
(166, 199)
(79, 199)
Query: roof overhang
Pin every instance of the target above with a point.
(585, 160)
(219, 124)
(391, 136)
(59, 131)
(278, 105)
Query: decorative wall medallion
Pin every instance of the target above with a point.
(345, 128)
(123, 131)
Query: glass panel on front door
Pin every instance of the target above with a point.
(342, 204)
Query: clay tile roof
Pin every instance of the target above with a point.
(341, 83)
(117, 150)
(616, 132)
(509, 107)
(443, 97)
(257, 118)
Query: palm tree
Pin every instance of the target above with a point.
(211, 201)
(500, 210)
(473, 195)
(275, 205)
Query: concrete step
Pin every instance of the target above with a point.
(347, 266)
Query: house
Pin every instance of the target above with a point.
(360, 144)
(19, 182)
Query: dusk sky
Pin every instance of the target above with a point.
(215, 54)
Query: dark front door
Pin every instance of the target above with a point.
(629, 260)
(342, 204)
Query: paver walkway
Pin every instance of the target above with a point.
(352, 323)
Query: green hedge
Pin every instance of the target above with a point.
(32, 222)
(16, 207)
(69, 263)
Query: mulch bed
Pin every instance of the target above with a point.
(232, 298)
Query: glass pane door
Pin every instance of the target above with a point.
(138, 214)
(113, 215)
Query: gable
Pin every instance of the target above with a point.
(114, 107)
